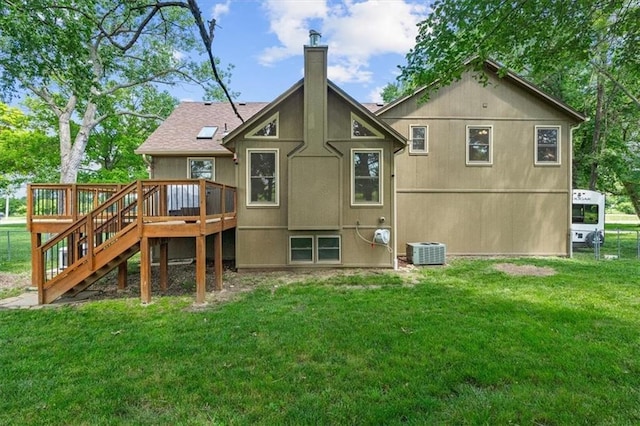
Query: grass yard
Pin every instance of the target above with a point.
(15, 248)
(461, 344)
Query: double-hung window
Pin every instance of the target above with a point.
(547, 145)
(263, 186)
(419, 143)
(479, 145)
(366, 173)
(314, 249)
(201, 168)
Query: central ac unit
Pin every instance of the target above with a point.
(426, 253)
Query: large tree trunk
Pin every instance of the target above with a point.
(71, 154)
(633, 191)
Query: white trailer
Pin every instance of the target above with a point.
(587, 221)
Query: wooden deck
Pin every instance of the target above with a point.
(95, 228)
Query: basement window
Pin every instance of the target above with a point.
(547, 145)
(314, 249)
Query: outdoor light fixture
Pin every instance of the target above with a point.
(314, 38)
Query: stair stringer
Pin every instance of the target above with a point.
(118, 250)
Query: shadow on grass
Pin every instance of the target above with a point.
(467, 344)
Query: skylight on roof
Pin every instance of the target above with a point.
(207, 132)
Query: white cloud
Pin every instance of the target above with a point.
(289, 21)
(355, 31)
(375, 95)
(349, 72)
(220, 9)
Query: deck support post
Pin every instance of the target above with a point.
(145, 270)
(201, 268)
(164, 264)
(37, 265)
(122, 275)
(217, 262)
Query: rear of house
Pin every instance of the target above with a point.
(488, 167)
(322, 181)
(315, 179)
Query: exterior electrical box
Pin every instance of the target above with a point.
(426, 253)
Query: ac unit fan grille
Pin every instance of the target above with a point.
(426, 253)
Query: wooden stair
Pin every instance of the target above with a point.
(92, 246)
(101, 272)
(97, 228)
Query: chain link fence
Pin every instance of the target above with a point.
(15, 246)
(617, 244)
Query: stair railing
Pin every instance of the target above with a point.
(87, 235)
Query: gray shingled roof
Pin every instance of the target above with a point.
(178, 133)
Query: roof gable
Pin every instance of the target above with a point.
(363, 110)
(264, 114)
(496, 69)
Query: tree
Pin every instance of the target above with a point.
(586, 52)
(78, 55)
(26, 152)
(110, 155)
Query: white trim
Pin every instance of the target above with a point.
(466, 145)
(380, 201)
(536, 161)
(424, 151)
(315, 249)
(313, 254)
(254, 130)
(276, 202)
(376, 134)
(213, 167)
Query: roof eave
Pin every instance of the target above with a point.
(398, 140)
(228, 140)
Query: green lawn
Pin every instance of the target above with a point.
(461, 344)
(15, 248)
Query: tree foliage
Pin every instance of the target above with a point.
(27, 153)
(586, 52)
(76, 57)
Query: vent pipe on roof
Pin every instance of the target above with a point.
(314, 38)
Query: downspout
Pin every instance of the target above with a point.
(395, 217)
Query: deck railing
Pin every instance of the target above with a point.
(66, 201)
(173, 198)
(114, 210)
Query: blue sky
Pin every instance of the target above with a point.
(264, 40)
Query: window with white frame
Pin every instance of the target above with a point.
(479, 145)
(547, 145)
(268, 128)
(366, 173)
(301, 249)
(314, 249)
(419, 143)
(360, 129)
(201, 168)
(262, 178)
